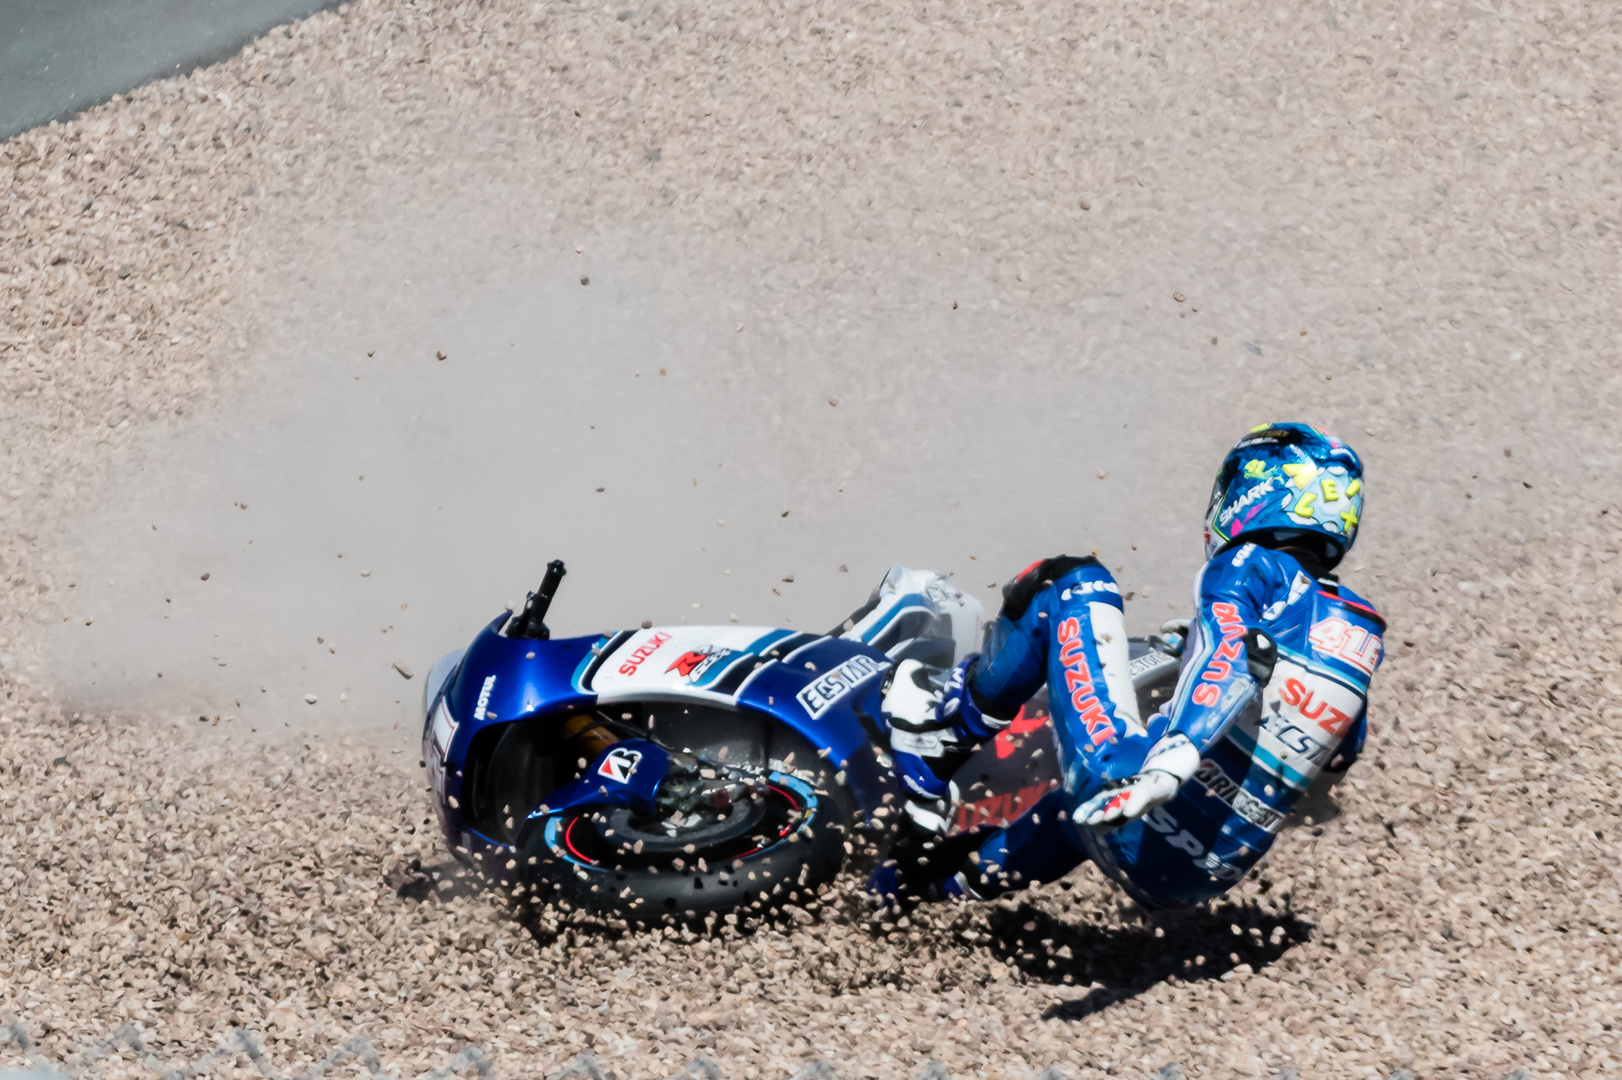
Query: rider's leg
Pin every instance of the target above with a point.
(1036, 847)
(1095, 709)
(1061, 623)
(1074, 621)
(936, 718)
(1043, 844)
(1014, 663)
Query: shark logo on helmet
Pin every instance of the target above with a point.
(1288, 476)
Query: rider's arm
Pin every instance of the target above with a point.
(1216, 684)
(1351, 744)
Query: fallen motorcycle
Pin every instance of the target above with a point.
(680, 771)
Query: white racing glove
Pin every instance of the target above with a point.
(1169, 764)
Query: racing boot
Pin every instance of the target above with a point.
(935, 726)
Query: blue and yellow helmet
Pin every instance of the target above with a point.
(1293, 481)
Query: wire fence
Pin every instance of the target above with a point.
(238, 1043)
(469, 1061)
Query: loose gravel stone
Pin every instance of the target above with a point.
(1450, 176)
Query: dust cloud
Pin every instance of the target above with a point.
(657, 412)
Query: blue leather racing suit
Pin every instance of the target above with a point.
(1261, 746)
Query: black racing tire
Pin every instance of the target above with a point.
(805, 817)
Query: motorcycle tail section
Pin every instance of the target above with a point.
(917, 615)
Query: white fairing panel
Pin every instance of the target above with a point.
(904, 589)
(677, 660)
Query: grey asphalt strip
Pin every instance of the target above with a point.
(60, 57)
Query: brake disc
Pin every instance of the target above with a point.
(628, 829)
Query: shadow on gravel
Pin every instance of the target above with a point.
(448, 880)
(1316, 809)
(444, 881)
(1124, 961)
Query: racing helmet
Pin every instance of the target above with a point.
(1293, 482)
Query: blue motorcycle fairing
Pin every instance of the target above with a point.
(826, 689)
(498, 680)
(439, 676)
(626, 774)
(713, 669)
(503, 678)
(823, 690)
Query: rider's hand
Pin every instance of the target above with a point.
(1167, 766)
(1129, 799)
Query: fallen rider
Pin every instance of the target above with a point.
(1273, 691)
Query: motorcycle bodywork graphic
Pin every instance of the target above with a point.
(754, 671)
(653, 690)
